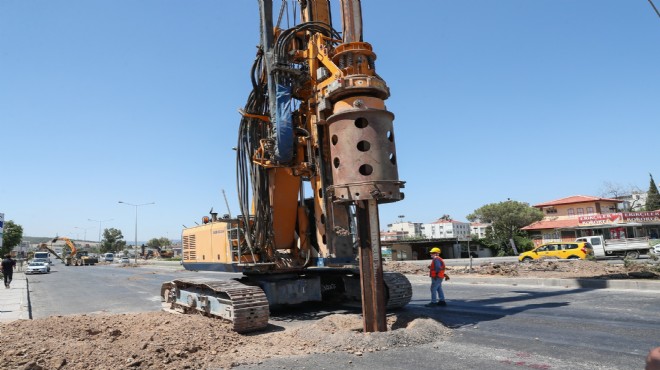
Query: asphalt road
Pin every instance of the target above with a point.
(495, 327)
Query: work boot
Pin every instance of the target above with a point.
(432, 304)
(442, 303)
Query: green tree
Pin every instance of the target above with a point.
(112, 241)
(653, 197)
(507, 219)
(13, 234)
(159, 242)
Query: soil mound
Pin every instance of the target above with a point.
(162, 340)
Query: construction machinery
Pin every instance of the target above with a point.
(74, 257)
(315, 123)
(164, 253)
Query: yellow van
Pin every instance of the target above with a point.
(563, 250)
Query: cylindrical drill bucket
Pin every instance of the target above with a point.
(363, 155)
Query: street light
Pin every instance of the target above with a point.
(100, 222)
(136, 218)
(83, 229)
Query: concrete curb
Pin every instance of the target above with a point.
(623, 284)
(15, 302)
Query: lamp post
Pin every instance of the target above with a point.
(100, 222)
(84, 229)
(136, 218)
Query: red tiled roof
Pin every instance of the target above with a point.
(575, 199)
(552, 224)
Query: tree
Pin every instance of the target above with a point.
(653, 197)
(618, 191)
(112, 241)
(159, 242)
(507, 220)
(13, 234)
(446, 218)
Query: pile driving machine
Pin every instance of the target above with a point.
(316, 115)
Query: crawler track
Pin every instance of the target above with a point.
(245, 306)
(399, 290)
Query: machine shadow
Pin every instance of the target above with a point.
(460, 313)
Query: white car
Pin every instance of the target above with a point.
(37, 268)
(124, 260)
(44, 260)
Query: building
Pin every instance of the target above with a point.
(635, 202)
(413, 241)
(478, 229)
(568, 218)
(403, 230)
(446, 229)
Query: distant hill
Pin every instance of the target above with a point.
(40, 239)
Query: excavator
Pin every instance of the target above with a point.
(315, 158)
(75, 257)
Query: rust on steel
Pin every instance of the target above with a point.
(371, 267)
(351, 14)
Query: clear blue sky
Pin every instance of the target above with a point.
(533, 100)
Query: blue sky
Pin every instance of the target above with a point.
(532, 100)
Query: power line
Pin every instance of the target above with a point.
(654, 8)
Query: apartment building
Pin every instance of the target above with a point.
(446, 229)
(478, 229)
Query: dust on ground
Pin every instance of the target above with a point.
(548, 268)
(160, 340)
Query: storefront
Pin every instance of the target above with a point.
(621, 225)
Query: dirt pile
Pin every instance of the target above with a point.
(550, 268)
(162, 340)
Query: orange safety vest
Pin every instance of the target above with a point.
(441, 273)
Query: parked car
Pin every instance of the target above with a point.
(124, 260)
(562, 250)
(37, 268)
(656, 250)
(44, 260)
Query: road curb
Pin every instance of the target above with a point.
(627, 284)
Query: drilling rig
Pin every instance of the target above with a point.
(315, 121)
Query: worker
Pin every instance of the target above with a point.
(653, 359)
(437, 273)
(8, 266)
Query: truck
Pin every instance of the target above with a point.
(316, 157)
(109, 257)
(626, 248)
(43, 256)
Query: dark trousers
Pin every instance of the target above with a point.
(8, 276)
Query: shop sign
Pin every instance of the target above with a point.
(619, 218)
